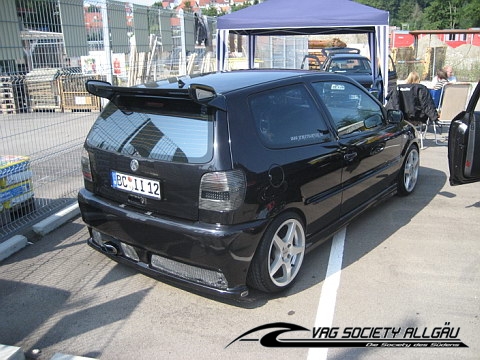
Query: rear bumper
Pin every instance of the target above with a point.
(192, 248)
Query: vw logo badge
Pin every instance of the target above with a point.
(134, 165)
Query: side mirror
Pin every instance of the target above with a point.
(394, 116)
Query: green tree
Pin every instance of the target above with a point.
(470, 15)
(441, 14)
(430, 14)
(243, 6)
(211, 11)
(187, 7)
(409, 13)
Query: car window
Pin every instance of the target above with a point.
(287, 117)
(154, 129)
(349, 66)
(350, 107)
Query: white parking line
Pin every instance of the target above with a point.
(328, 296)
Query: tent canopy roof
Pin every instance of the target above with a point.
(296, 17)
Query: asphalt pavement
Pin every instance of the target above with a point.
(410, 263)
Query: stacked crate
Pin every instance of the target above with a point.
(43, 90)
(74, 95)
(16, 191)
(7, 99)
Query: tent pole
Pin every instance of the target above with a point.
(222, 36)
(251, 51)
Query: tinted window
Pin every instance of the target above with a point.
(349, 66)
(350, 107)
(287, 117)
(177, 132)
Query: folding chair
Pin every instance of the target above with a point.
(410, 105)
(454, 99)
(437, 97)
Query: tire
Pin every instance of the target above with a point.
(408, 175)
(279, 255)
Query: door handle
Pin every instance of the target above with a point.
(377, 149)
(350, 156)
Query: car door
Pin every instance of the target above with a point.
(371, 146)
(464, 143)
(294, 158)
(392, 75)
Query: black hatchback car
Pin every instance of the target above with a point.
(222, 182)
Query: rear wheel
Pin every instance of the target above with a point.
(279, 256)
(408, 175)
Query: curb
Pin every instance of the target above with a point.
(60, 356)
(18, 242)
(11, 353)
(11, 246)
(16, 353)
(56, 220)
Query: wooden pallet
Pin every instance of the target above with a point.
(80, 110)
(74, 96)
(43, 90)
(7, 99)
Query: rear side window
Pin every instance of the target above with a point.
(287, 117)
(352, 110)
(167, 130)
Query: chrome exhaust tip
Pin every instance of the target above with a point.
(110, 249)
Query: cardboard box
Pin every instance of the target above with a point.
(12, 164)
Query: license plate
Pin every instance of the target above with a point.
(136, 185)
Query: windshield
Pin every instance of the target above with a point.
(350, 66)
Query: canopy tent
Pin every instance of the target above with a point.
(307, 17)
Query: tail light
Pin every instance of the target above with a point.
(222, 191)
(86, 169)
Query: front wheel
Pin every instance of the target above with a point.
(279, 256)
(408, 175)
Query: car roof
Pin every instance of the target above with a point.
(339, 50)
(349, 56)
(224, 82)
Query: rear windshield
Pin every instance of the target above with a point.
(350, 66)
(152, 128)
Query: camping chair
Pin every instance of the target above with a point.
(409, 105)
(454, 99)
(437, 97)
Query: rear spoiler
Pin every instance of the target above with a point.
(201, 94)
